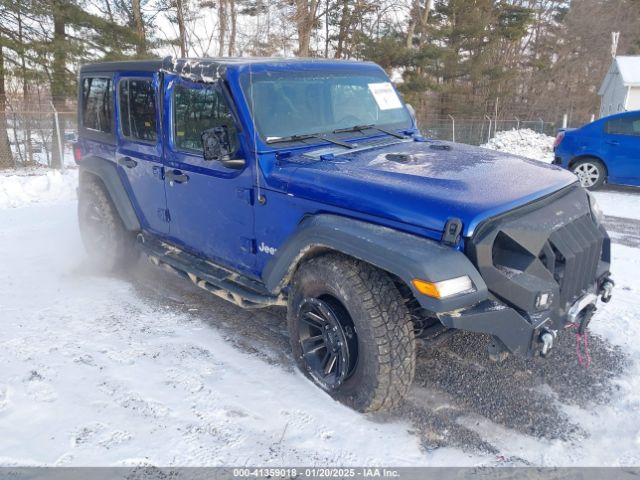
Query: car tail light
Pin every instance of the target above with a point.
(77, 153)
(558, 139)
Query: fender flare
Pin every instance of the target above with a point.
(107, 172)
(401, 254)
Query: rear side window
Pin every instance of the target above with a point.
(138, 109)
(196, 110)
(624, 126)
(97, 110)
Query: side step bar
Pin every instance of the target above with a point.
(230, 286)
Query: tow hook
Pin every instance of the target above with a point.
(547, 337)
(587, 315)
(607, 289)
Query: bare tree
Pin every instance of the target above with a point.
(418, 19)
(305, 18)
(59, 76)
(182, 30)
(222, 25)
(25, 88)
(6, 157)
(234, 27)
(141, 45)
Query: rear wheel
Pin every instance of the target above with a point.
(591, 172)
(108, 243)
(351, 332)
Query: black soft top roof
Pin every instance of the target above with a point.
(168, 63)
(125, 65)
(204, 70)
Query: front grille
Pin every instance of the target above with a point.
(571, 255)
(551, 246)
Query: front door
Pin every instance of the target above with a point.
(210, 206)
(622, 149)
(139, 152)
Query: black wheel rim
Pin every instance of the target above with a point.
(328, 340)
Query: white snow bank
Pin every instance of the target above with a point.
(21, 188)
(525, 142)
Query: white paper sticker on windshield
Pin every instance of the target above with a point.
(385, 96)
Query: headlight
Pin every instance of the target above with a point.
(444, 288)
(596, 211)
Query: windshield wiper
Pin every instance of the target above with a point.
(359, 128)
(295, 138)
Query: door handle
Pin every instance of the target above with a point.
(176, 176)
(127, 162)
(613, 142)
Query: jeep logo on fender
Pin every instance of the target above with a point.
(267, 249)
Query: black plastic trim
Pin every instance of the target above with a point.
(404, 255)
(494, 318)
(107, 172)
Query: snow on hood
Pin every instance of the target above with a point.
(437, 181)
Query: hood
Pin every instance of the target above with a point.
(424, 183)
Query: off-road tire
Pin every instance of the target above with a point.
(591, 163)
(385, 336)
(110, 247)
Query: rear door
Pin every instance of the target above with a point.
(139, 152)
(622, 149)
(210, 205)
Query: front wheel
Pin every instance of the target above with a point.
(591, 173)
(351, 332)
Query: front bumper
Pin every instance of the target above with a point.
(522, 334)
(545, 265)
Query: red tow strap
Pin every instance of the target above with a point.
(582, 346)
(584, 340)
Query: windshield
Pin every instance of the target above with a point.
(286, 104)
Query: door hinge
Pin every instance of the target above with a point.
(245, 194)
(163, 215)
(158, 172)
(248, 245)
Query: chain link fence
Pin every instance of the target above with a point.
(478, 131)
(38, 139)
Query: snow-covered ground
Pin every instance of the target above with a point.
(37, 185)
(102, 370)
(92, 374)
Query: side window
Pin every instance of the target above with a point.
(138, 109)
(196, 110)
(96, 104)
(624, 126)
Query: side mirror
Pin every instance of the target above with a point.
(216, 145)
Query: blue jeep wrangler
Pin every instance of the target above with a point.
(306, 183)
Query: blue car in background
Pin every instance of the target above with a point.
(607, 150)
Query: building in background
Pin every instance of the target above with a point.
(620, 90)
